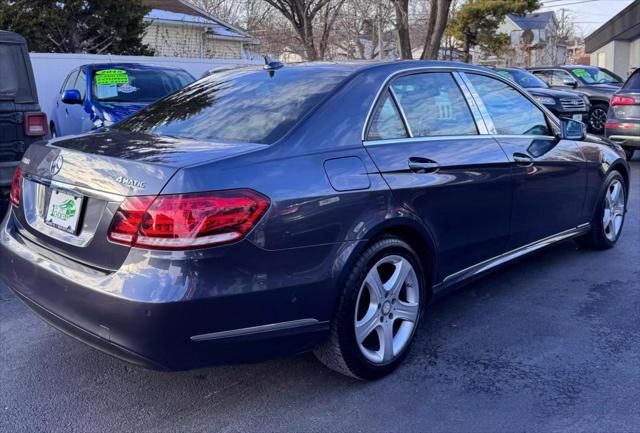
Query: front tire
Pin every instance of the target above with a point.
(608, 220)
(598, 118)
(378, 312)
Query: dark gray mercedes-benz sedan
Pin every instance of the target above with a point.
(267, 211)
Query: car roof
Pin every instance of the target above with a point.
(391, 66)
(97, 66)
(563, 67)
(6, 36)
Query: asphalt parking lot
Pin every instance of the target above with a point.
(551, 343)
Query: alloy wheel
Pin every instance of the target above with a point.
(598, 119)
(614, 209)
(387, 309)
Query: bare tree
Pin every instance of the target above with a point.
(402, 25)
(436, 24)
(302, 14)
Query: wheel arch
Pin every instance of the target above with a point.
(413, 233)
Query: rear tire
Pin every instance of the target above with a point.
(598, 118)
(629, 151)
(606, 225)
(376, 318)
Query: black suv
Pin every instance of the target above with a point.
(21, 121)
(623, 119)
(597, 83)
(562, 103)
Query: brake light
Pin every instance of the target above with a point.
(14, 195)
(35, 124)
(622, 100)
(184, 221)
(619, 125)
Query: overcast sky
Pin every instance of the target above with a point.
(587, 14)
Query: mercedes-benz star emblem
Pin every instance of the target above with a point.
(56, 165)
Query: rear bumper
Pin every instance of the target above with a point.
(202, 326)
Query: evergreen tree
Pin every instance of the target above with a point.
(476, 21)
(78, 26)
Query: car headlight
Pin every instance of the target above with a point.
(545, 100)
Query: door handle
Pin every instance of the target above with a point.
(422, 165)
(523, 159)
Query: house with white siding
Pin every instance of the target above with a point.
(179, 29)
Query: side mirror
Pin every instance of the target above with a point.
(572, 129)
(71, 96)
(570, 82)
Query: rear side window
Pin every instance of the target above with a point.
(14, 81)
(633, 82)
(433, 105)
(511, 112)
(251, 106)
(386, 122)
(544, 76)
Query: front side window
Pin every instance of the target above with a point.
(433, 105)
(386, 123)
(511, 112)
(70, 82)
(81, 84)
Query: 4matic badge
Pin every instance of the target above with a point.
(130, 182)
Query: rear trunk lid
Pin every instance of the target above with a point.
(628, 111)
(92, 174)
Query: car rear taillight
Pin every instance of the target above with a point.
(618, 125)
(184, 221)
(35, 124)
(14, 195)
(622, 100)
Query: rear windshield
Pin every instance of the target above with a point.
(14, 78)
(137, 85)
(250, 106)
(633, 82)
(590, 75)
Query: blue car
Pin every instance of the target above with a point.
(98, 95)
(268, 211)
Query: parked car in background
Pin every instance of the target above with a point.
(597, 83)
(287, 209)
(21, 121)
(99, 95)
(623, 119)
(562, 103)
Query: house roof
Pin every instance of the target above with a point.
(181, 11)
(624, 26)
(537, 20)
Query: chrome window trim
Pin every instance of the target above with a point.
(533, 137)
(486, 117)
(252, 330)
(403, 115)
(409, 71)
(430, 138)
(471, 103)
